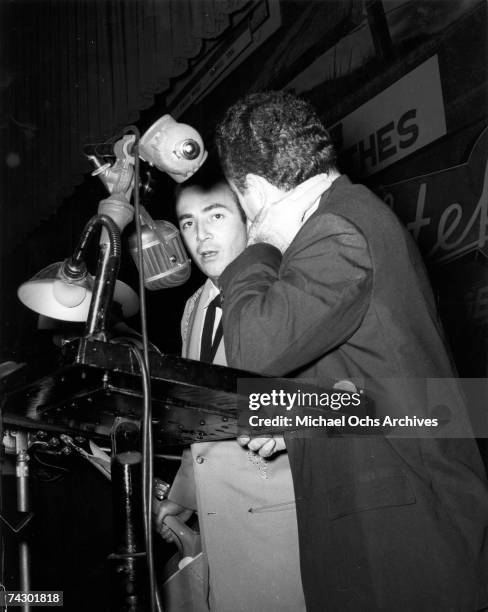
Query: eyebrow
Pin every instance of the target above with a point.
(205, 209)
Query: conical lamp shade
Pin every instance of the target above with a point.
(43, 292)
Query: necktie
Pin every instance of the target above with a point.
(209, 347)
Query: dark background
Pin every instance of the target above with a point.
(70, 535)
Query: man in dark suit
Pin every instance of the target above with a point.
(386, 522)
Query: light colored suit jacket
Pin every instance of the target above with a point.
(246, 508)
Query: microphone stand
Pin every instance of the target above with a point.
(128, 561)
(147, 440)
(22, 477)
(119, 180)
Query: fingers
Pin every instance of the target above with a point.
(272, 446)
(345, 385)
(167, 535)
(162, 512)
(185, 515)
(264, 446)
(255, 444)
(280, 444)
(165, 524)
(243, 440)
(155, 506)
(166, 508)
(268, 448)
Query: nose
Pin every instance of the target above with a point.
(203, 231)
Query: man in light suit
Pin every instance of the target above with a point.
(245, 503)
(385, 522)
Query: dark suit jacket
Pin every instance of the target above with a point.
(385, 522)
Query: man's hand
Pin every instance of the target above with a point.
(162, 509)
(279, 222)
(265, 446)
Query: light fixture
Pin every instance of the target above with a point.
(67, 292)
(51, 295)
(64, 290)
(174, 148)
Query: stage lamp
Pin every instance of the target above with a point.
(64, 290)
(50, 294)
(172, 147)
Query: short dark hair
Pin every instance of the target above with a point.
(275, 135)
(206, 182)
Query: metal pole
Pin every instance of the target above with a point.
(22, 474)
(129, 571)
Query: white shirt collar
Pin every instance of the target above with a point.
(212, 292)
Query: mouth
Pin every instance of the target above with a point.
(208, 255)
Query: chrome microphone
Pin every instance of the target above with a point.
(165, 261)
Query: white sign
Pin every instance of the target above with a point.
(400, 120)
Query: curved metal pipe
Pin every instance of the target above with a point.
(107, 271)
(88, 231)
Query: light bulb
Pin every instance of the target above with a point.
(67, 294)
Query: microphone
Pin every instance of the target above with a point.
(165, 261)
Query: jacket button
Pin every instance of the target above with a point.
(200, 459)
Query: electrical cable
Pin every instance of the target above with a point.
(147, 445)
(146, 466)
(2, 536)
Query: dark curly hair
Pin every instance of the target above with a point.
(275, 135)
